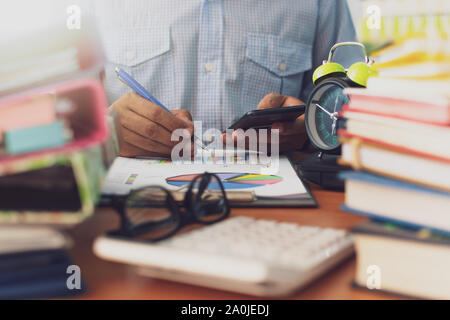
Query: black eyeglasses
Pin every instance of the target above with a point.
(152, 213)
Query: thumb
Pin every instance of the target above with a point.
(292, 101)
(272, 100)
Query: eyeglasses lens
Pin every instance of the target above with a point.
(149, 214)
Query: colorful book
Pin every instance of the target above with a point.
(415, 57)
(88, 173)
(406, 261)
(415, 136)
(396, 162)
(381, 198)
(36, 274)
(432, 109)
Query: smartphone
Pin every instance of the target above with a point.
(259, 119)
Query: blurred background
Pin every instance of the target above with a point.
(22, 17)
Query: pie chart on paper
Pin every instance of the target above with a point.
(230, 181)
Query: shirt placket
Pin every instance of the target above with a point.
(210, 64)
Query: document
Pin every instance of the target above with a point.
(277, 179)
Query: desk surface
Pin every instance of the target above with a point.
(107, 280)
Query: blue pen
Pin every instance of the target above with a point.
(140, 90)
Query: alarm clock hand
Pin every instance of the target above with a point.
(336, 103)
(333, 126)
(332, 115)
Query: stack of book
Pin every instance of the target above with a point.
(396, 137)
(52, 127)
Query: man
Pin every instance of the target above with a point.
(214, 60)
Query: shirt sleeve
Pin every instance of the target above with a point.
(334, 24)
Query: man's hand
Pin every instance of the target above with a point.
(147, 128)
(292, 134)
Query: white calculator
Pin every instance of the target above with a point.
(252, 256)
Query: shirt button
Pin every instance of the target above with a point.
(283, 66)
(209, 67)
(209, 138)
(130, 55)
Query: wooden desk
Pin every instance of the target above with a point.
(107, 280)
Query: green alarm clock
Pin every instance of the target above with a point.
(322, 116)
(327, 98)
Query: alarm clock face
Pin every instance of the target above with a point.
(322, 111)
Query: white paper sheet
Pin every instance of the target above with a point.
(127, 174)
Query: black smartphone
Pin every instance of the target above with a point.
(259, 119)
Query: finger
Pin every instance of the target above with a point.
(281, 126)
(287, 142)
(224, 138)
(296, 127)
(291, 142)
(182, 113)
(153, 112)
(249, 141)
(272, 100)
(118, 105)
(185, 116)
(292, 101)
(146, 128)
(128, 150)
(141, 142)
(189, 126)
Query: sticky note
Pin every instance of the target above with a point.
(29, 113)
(35, 138)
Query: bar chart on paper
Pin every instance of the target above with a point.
(229, 181)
